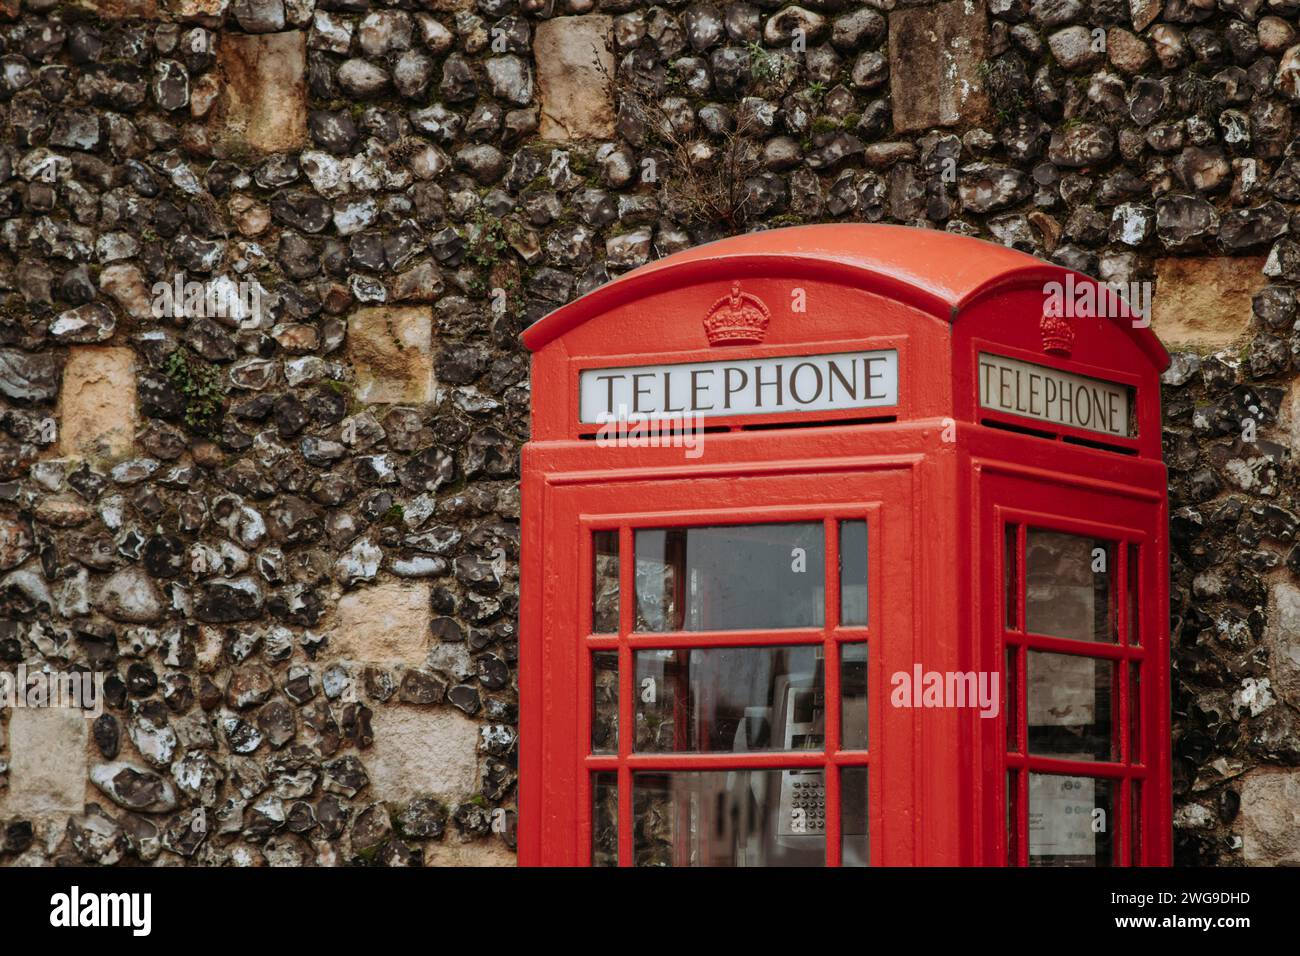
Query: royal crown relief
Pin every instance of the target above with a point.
(1058, 336)
(738, 318)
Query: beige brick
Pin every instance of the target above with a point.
(1270, 817)
(97, 416)
(1282, 638)
(1204, 302)
(385, 623)
(262, 104)
(422, 751)
(575, 63)
(479, 853)
(391, 351)
(47, 762)
(935, 54)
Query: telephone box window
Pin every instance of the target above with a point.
(604, 582)
(1009, 700)
(604, 819)
(1135, 822)
(853, 573)
(1135, 713)
(1011, 576)
(853, 696)
(1072, 707)
(730, 699)
(729, 818)
(731, 577)
(1013, 818)
(604, 702)
(1069, 704)
(1068, 586)
(1070, 820)
(855, 839)
(1134, 567)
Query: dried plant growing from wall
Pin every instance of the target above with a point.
(701, 179)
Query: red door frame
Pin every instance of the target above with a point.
(1075, 502)
(847, 489)
(936, 298)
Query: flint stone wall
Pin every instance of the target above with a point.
(289, 534)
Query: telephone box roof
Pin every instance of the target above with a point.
(934, 271)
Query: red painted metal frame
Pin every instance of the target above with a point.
(936, 480)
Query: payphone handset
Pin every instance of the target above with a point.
(800, 824)
(802, 808)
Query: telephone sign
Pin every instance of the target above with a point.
(1036, 391)
(764, 386)
(901, 600)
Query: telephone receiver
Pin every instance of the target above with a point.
(800, 725)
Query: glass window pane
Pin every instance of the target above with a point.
(1010, 702)
(1135, 822)
(1070, 820)
(604, 702)
(1135, 714)
(853, 573)
(734, 577)
(730, 699)
(1011, 575)
(604, 585)
(1134, 572)
(729, 818)
(1070, 706)
(1013, 818)
(1068, 582)
(853, 697)
(855, 840)
(604, 819)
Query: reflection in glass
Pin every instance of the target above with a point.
(853, 573)
(604, 702)
(1069, 704)
(1070, 820)
(1011, 575)
(1135, 713)
(604, 584)
(1068, 586)
(855, 841)
(734, 577)
(730, 699)
(1010, 713)
(1134, 568)
(853, 697)
(729, 818)
(1013, 819)
(1135, 822)
(604, 819)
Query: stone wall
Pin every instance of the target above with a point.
(290, 532)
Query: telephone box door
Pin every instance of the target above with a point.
(1079, 588)
(709, 693)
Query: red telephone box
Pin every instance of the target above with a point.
(843, 545)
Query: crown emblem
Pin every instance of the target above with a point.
(736, 319)
(1058, 337)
